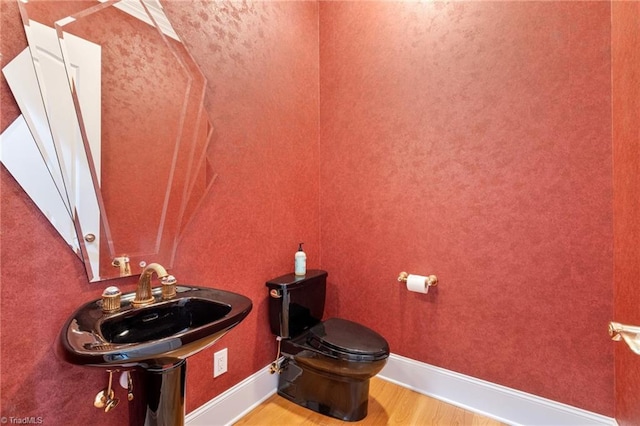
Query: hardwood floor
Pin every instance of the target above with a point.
(389, 404)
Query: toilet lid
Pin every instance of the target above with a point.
(348, 340)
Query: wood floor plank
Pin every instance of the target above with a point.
(389, 404)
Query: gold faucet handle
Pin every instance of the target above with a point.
(111, 299)
(168, 287)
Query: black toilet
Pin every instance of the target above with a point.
(327, 364)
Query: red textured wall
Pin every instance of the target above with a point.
(472, 140)
(626, 184)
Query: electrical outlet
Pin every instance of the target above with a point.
(220, 362)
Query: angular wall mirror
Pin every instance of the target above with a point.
(129, 136)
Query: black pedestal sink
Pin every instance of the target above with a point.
(153, 341)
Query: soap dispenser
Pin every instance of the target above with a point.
(300, 268)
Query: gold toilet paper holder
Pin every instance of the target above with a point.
(430, 281)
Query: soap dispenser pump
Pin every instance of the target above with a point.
(300, 262)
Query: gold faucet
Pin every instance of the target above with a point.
(630, 334)
(143, 292)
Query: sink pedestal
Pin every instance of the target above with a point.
(158, 396)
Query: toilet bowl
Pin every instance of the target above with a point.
(327, 364)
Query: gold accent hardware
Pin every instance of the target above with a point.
(275, 293)
(122, 262)
(129, 387)
(168, 287)
(143, 292)
(277, 365)
(111, 299)
(111, 404)
(431, 280)
(106, 398)
(102, 397)
(629, 333)
(89, 238)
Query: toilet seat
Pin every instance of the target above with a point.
(347, 340)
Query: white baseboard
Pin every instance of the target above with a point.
(231, 405)
(489, 399)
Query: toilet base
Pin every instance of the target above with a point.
(338, 397)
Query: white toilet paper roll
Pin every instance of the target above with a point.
(417, 283)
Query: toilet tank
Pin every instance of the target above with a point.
(296, 303)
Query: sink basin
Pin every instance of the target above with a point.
(162, 320)
(154, 335)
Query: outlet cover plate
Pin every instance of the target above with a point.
(220, 362)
